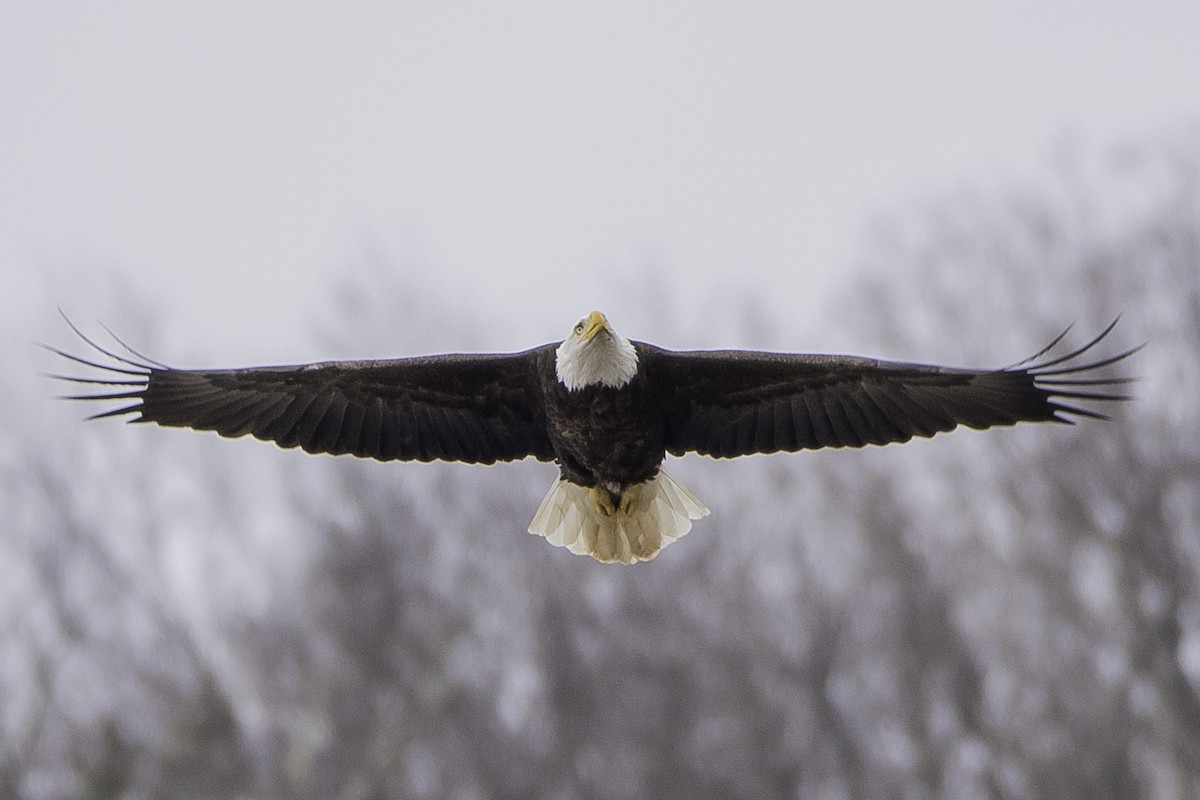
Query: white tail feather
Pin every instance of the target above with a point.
(660, 514)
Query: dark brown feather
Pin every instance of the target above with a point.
(502, 407)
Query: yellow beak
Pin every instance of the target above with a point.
(595, 323)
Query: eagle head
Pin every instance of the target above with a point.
(594, 354)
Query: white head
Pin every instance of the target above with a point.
(595, 354)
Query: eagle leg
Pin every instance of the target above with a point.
(631, 499)
(603, 500)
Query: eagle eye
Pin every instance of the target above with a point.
(579, 327)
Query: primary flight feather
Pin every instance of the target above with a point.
(605, 409)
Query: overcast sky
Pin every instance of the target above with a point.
(232, 156)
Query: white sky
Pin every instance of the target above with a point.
(232, 156)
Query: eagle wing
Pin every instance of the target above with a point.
(735, 403)
(471, 408)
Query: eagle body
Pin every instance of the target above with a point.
(604, 435)
(605, 409)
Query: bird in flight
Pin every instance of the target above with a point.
(606, 409)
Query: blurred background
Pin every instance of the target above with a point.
(1006, 614)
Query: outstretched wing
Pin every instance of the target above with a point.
(734, 403)
(472, 408)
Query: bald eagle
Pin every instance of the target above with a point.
(606, 409)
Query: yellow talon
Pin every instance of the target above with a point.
(630, 499)
(602, 501)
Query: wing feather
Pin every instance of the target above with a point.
(823, 435)
(391, 439)
(475, 408)
(784, 432)
(308, 429)
(351, 428)
(286, 429)
(764, 425)
(428, 434)
(873, 424)
(889, 408)
(834, 412)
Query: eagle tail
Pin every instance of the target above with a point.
(651, 516)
